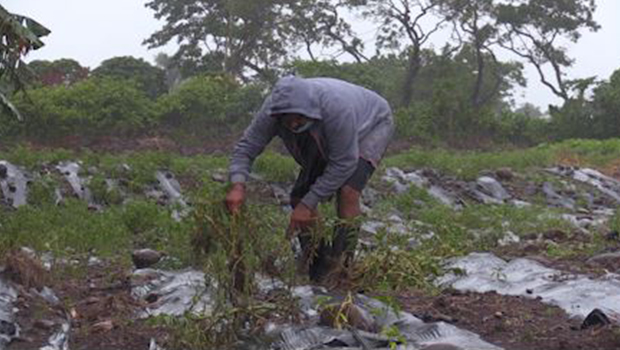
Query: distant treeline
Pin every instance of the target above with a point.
(126, 96)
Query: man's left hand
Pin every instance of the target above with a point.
(301, 218)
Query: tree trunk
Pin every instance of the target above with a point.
(413, 68)
(475, 97)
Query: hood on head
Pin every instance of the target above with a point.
(292, 94)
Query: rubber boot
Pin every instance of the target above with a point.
(344, 244)
(315, 256)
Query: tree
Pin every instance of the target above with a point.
(365, 74)
(403, 20)
(533, 28)
(606, 103)
(529, 110)
(59, 72)
(150, 79)
(246, 38)
(172, 72)
(18, 36)
(474, 28)
(319, 22)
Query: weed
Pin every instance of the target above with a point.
(234, 249)
(395, 336)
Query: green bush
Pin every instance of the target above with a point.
(209, 104)
(151, 80)
(607, 108)
(520, 129)
(88, 108)
(415, 122)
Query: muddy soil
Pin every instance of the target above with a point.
(220, 145)
(578, 262)
(97, 299)
(97, 302)
(513, 323)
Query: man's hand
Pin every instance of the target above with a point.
(302, 218)
(235, 198)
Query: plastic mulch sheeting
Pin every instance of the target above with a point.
(578, 295)
(13, 183)
(9, 330)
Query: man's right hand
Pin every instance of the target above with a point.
(235, 198)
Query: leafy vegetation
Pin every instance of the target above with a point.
(236, 251)
(74, 230)
(457, 95)
(209, 105)
(18, 36)
(149, 79)
(90, 107)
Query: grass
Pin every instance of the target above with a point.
(469, 164)
(74, 230)
(256, 243)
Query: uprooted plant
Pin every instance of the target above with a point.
(239, 252)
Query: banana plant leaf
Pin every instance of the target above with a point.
(21, 30)
(6, 104)
(18, 36)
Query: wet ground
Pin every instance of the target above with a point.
(99, 303)
(103, 312)
(511, 322)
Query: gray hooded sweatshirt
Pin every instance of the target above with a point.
(351, 123)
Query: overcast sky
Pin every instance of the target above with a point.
(91, 31)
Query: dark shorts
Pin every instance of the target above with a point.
(315, 165)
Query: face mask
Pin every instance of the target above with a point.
(305, 127)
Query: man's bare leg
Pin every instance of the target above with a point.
(346, 232)
(314, 250)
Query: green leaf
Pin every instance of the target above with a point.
(4, 101)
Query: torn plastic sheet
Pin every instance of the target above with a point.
(153, 345)
(71, 170)
(399, 176)
(416, 333)
(603, 183)
(493, 188)
(488, 191)
(402, 182)
(60, 339)
(416, 231)
(13, 183)
(442, 195)
(585, 221)
(578, 295)
(394, 225)
(556, 199)
(9, 329)
(173, 293)
(177, 293)
(172, 189)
